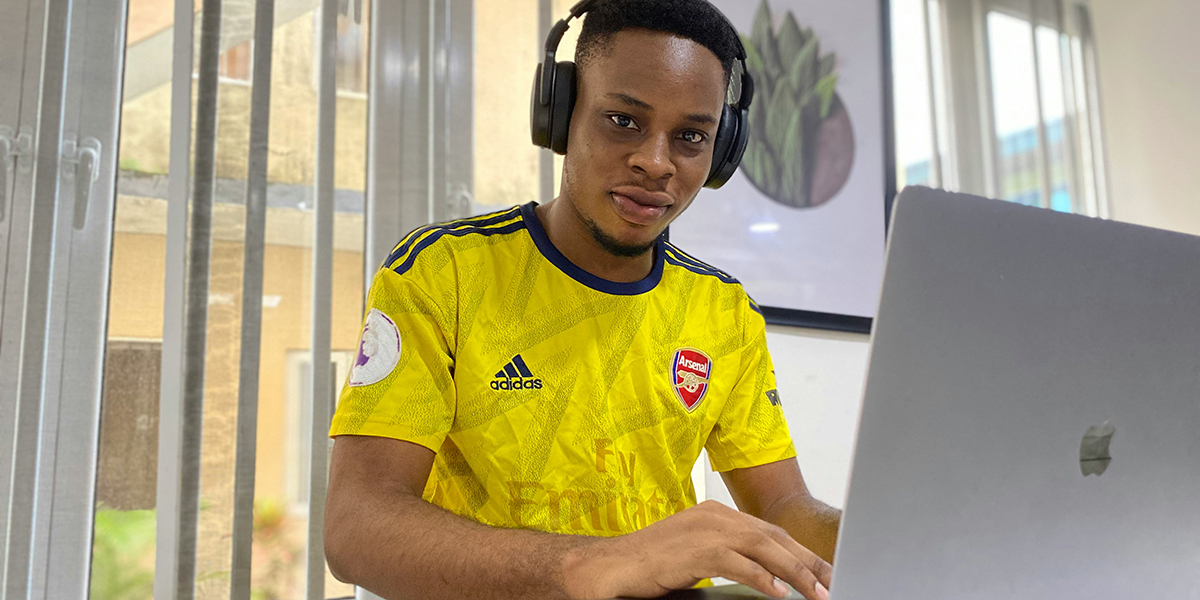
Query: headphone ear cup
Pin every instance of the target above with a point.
(562, 104)
(729, 146)
(539, 115)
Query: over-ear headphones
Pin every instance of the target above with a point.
(554, 99)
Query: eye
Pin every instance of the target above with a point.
(693, 137)
(623, 121)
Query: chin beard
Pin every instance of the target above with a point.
(613, 246)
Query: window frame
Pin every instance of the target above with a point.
(970, 154)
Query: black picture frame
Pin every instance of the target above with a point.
(775, 315)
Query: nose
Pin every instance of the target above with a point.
(652, 157)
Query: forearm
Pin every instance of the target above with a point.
(810, 522)
(403, 547)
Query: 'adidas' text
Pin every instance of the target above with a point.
(516, 384)
(516, 376)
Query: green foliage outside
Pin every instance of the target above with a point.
(794, 91)
(123, 555)
(273, 574)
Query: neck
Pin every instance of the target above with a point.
(570, 234)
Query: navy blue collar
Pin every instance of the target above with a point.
(543, 243)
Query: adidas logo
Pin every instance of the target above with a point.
(516, 376)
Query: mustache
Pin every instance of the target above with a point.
(642, 184)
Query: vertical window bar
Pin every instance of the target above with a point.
(397, 145)
(199, 258)
(943, 107)
(545, 155)
(983, 67)
(31, 381)
(458, 117)
(381, 215)
(935, 157)
(67, 460)
(322, 301)
(171, 423)
(1071, 114)
(1091, 85)
(429, 90)
(252, 286)
(1043, 146)
(28, 33)
(1083, 115)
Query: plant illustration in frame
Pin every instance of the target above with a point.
(801, 144)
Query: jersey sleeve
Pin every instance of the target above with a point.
(751, 429)
(401, 383)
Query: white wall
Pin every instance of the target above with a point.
(1149, 62)
(820, 378)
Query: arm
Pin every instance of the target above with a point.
(776, 493)
(381, 535)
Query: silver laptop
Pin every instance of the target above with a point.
(1031, 424)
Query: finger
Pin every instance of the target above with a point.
(819, 567)
(794, 573)
(735, 567)
(787, 561)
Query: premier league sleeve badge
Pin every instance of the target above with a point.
(378, 350)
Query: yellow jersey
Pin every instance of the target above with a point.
(554, 399)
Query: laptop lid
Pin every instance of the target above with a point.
(1031, 421)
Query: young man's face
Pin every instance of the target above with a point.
(641, 139)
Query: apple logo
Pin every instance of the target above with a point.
(1093, 451)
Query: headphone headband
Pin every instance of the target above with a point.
(554, 38)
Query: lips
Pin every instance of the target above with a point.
(639, 205)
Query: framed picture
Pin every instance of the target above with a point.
(802, 222)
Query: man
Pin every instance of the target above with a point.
(540, 381)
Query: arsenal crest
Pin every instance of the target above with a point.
(690, 371)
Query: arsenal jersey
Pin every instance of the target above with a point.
(556, 400)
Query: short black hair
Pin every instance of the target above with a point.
(696, 20)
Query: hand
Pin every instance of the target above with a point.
(706, 540)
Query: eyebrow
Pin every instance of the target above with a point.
(631, 101)
(701, 118)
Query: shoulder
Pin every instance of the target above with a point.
(726, 285)
(441, 240)
(676, 257)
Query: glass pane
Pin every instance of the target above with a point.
(910, 90)
(285, 395)
(1054, 113)
(124, 540)
(1014, 107)
(941, 100)
(123, 545)
(237, 62)
(352, 44)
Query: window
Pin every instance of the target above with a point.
(129, 427)
(1015, 111)
(237, 62)
(353, 46)
(912, 76)
(299, 418)
(124, 547)
(996, 98)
